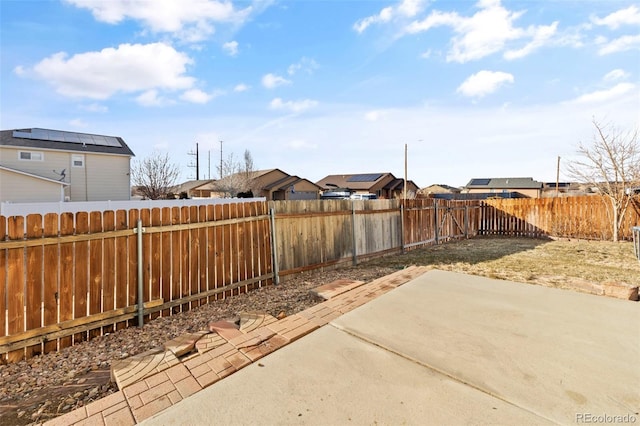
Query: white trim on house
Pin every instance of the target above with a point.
(9, 169)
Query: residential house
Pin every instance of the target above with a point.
(194, 189)
(49, 165)
(383, 185)
(437, 188)
(274, 184)
(511, 187)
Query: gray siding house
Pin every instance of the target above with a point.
(49, 165)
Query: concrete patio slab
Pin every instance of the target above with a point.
(445, 348)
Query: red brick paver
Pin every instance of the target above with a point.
(155, 380)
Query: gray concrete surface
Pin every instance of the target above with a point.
(445, 348)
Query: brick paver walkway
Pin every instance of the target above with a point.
(155, 380)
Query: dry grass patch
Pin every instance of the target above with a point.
(546, 262)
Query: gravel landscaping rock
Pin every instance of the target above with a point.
(47, 386)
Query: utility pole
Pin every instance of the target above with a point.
(221, 171)
(405, 171)
(209, 164)
(558, 177)
(196, 154)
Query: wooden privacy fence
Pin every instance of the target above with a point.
(324, 233)
(71, 277)
(587, 217)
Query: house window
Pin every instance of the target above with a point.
(77, 160)
(31, 156)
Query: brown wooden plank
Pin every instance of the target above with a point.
(266, 244)
(121, 286)
(165, 273)
(185, 287)
(15, 284)
(176, 258)
(156, 259)
(95, 269)
(51, 288)
(132, 296)
(81, 276)
(67, 279)
(147, 257)
(3, 284)
(219, 242)
(228, 250)
(211, 251)
(203, 253)
(109, 267)
(194, 256)
(34, 283)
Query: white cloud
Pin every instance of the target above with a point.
(616, 74)
(127, 68)
(305, 64)
(77, 122)
(541, 37)
(486, 32)
(95, 107)
(241, 87)
(293, 106)
(196, 96)
(484, 82)
(605, 95)
(19, 70)
(231, 48)
(301, 145)
(628, 16)
(152, 98)
(620, 44)
(374, 115)
(271, 81)
(404, 9)
(189, 20)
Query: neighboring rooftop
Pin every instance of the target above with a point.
(64, 141)
(504, 183)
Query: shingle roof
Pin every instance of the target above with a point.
(354, 181)
(504, 183)
(84, 142)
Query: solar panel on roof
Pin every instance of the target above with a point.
(72, 137)
(365, 178)
(480, 181)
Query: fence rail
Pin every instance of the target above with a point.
(66, 278)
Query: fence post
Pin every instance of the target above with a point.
(466, 221)
(402, 241)
(139, 231)
(274, 249)
(435, 218)
(353, 233)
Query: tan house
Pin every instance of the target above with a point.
(437, 188)
(383, 185)
(517, 187)
(274, 184)
(49, 165)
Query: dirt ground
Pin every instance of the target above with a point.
(47, 386)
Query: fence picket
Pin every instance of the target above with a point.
(51, 274)
(33, 290)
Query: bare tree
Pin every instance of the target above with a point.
(154, 175)
(611, 164)
(237, 176)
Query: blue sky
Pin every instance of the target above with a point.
(483, 88)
